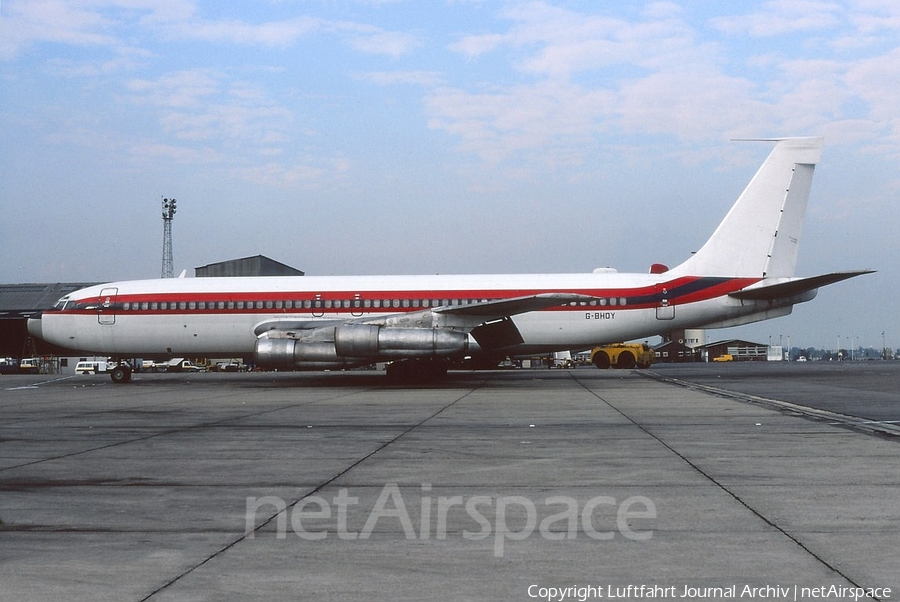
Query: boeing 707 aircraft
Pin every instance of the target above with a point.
(744, 273)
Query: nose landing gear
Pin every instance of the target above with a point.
(121, 373)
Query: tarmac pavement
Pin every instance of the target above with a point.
(492, 486)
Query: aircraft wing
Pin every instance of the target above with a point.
(793, 287)
(502, 308)
(488, 321)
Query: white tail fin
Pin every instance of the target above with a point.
(760, 235)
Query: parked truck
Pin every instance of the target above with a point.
(178, 364)
(623, 355)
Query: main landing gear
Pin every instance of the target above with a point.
(121, 373)
(416, 371)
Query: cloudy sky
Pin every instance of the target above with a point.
(367, 137)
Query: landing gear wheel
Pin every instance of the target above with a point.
(120, 374)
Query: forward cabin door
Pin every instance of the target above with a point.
(106, 308)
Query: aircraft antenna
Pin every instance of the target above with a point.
(168, 214)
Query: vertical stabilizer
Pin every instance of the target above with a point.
(760, 235)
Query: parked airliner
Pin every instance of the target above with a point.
(744, 273)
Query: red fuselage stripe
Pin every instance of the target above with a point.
(676, 292)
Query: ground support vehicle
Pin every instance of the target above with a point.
(623, 355)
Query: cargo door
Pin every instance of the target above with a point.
(664, 309)
(106, 308)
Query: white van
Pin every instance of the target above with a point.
(30, 365)
(90, 367)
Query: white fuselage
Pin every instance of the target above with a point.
(217, 316)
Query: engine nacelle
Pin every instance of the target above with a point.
(356, 345)
(290, 354)
(370, 340)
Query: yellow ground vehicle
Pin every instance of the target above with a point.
(724, 358)
(623, 355)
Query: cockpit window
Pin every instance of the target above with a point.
(60, 305)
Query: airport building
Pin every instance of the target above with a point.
(257, 265)
(690, 346)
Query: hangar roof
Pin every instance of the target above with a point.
(257, 265)
(18, 300)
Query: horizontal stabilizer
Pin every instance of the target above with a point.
(794, 286)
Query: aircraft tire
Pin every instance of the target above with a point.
(120, 374)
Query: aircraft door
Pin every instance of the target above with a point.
(664, 310)
(106, 308)
(317, 307)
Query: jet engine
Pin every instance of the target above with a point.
(350, 345)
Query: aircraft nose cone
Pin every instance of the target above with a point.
(35, 326)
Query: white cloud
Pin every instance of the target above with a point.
(182, 89)
(28, 22)
(497, 124)
(274, 33)
(778, 17)
(390, 43)
(387, 78)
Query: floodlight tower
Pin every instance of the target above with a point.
(168, 214)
